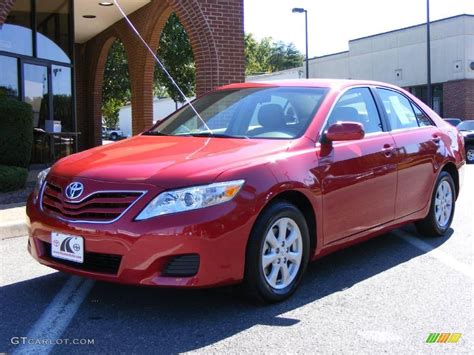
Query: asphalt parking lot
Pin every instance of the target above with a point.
(382, 296)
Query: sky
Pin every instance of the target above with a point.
(332, 23)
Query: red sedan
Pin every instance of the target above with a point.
(249, 184)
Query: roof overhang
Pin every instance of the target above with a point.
(105, 16)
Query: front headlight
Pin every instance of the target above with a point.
(39, 183)
(191, 198)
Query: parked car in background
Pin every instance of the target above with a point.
(466, 128)
(453, 121)
(248, 186)
(111, 133)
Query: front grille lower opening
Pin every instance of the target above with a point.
(94, 262)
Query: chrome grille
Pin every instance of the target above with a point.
(97, 207)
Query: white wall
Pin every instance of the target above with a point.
(295, 73)
(161, 109)
(381, 57)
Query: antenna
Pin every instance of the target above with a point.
(161, 65)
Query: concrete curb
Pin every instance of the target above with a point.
(13, 229)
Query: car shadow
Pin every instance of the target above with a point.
(142, 319)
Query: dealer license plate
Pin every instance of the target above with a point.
(67, 247)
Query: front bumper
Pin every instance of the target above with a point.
(217, 235)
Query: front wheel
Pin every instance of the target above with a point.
(277, 253)
(470, 154)
(441, 213)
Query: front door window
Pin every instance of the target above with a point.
(357, 105)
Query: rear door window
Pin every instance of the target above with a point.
(401, 112)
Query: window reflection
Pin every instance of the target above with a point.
(53, 30)
(36, 92)
(49, 50)
(8, 76)
(16, 34)
(62, 97)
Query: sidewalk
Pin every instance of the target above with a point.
(12, 221)
(12, 210)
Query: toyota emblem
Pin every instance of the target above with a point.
(74, 190)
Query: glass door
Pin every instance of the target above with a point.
(36, 88)
(36, 93)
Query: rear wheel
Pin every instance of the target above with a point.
(470, 154)
(277, 253)
(113, 136)
(441, 213)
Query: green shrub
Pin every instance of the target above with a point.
(16, 132)
(12, 178)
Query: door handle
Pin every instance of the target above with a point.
(387, 150)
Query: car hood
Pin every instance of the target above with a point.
(167, 161)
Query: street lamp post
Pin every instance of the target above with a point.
(428, 56)
(300, 10)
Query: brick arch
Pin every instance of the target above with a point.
(98, 57)
(202, 43)
(215, 30)
(206, 55)
(5, 7)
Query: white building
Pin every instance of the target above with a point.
(161, 109)
(399, 57)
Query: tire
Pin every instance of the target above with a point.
(470, 154)
(260, 282)
(437, 222)
(114, 136)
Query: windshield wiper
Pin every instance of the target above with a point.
(214, 135)
(154, 133)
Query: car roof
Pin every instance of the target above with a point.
(336, 84)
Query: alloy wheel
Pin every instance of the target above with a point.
(282, 253)
(443, 203)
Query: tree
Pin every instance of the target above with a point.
(176, 54)
(110, 112)
(284, 56)
(256, 55)
(116, 88)
(267, 56)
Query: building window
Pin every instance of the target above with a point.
(16, 34)
(36, 92)
(421, 92)
(438, 99)
(62, 97)
(9, 76)
(53, 30)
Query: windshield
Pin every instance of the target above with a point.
(270, 112)
(466, 126)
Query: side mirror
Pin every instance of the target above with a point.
(344, 131)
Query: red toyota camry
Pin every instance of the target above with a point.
(249, 184)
